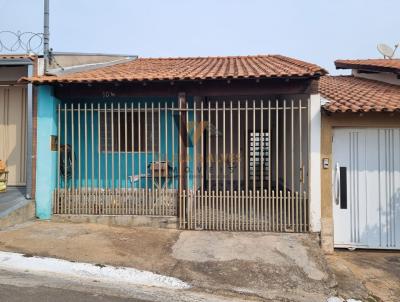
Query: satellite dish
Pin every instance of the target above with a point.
(386, 50)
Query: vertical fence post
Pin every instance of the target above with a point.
(99, 183)
(65, 150)
(92, 157)
(173, 156)
(125, 200)
(86, 158)
(194, 145)
(133, 178)
(182, 154)
(204, 198)
(165, 196)
(106, 159)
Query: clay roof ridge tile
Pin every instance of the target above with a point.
(313, 68)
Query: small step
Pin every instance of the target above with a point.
(19, 213)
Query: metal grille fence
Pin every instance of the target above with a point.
(115, 202)
(113, 159)
(217, 164)
(240, 211)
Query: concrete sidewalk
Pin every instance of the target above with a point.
(368, 275)
(260, 266)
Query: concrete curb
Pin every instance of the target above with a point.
(52, 266)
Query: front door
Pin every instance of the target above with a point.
(366, 188)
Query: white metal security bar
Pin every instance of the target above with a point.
(244, 168)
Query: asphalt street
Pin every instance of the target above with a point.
(10, 293)
(25, 287)
(16, 286)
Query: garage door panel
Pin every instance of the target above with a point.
(388, 184)
(372, 178)
(373, 159)
(395, 188)
(397, 218)
(357, 188)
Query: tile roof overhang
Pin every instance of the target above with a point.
(353, 94)
(189, 69)
(16, 59)
(16, 56)
(378, 65)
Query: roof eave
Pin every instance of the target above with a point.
(55, 81)
(15, 62)
(342, 65)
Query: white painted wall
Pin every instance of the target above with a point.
(40, 66)
(386, 77)
(315, 162)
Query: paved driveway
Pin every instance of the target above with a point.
(260, 266)
(367, 275)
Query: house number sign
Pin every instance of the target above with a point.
(108, 94)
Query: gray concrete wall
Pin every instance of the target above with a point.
(164, 222)
(12, 73)
(20, 215)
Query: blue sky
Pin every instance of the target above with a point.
(317, 31)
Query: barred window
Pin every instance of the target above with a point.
(137, 126)
(259, 153)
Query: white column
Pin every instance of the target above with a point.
(314, 109)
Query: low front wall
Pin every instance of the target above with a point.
(164, 222)
(344, 120)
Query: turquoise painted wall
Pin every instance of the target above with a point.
(46, 160)
(47, 167)
(84, 162)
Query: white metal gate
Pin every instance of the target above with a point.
(366, 186)
(217, 164)
(248, 166)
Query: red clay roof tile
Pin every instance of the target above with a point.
(197, 68)
(16, 56)
(352, 94)
(388, 65)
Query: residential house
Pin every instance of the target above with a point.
(218, 143)
(16, 131)
(18, 113)
(360, 148)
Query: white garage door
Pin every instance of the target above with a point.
(366, 188)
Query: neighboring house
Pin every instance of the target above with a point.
(16, 120)
(18, 106)
(220, 143)
(361, 148)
